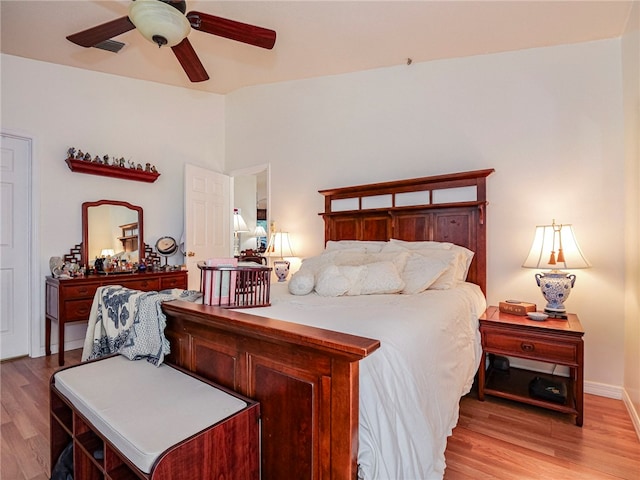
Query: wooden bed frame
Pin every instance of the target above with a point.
(305, 378)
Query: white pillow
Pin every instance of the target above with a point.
(420, 244)
(421, 272)
(348, 257)
(302, 283)
(381, 277)
(373, 278)
(465, 256)
(334, 281)
(367, 246)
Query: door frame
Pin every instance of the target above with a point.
(36, 286)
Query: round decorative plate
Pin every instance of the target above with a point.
(167, 246)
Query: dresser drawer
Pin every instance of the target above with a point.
(544, 350)
(145, 284)
(77, 310)
(173, 282)
(86, 290)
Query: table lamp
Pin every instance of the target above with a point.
(239, 226)
(555, 246)
(280, 246)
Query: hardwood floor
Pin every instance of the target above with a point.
(494, 439)
(499, 439)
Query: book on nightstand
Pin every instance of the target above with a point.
(516, 307)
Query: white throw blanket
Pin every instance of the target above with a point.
(130, 322)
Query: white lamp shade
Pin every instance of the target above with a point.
(279, 245)
(154, 18)
(260, 231)
(555, 238)
(239, 225)
(107, 252)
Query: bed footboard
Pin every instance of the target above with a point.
(305, 378)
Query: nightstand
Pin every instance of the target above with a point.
(552, 341)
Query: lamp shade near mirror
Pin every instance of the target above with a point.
(555, 247)
(279, 247)
(259, 233)
(239, 226)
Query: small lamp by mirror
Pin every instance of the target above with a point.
(555, 246)
(259, 232)
(107, 252)
(239, 226)
(280, 246)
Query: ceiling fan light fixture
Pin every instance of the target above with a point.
(159, 22)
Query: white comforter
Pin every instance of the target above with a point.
(410, 388)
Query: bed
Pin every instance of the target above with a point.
(345, 392)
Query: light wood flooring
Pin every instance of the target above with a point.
(495, 439)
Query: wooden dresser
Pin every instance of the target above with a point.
(69, 300)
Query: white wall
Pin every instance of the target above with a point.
(548, 120)
(631, 95)
(61, 107)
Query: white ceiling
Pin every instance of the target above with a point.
(314, 38)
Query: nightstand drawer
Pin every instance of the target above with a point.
(544, 350)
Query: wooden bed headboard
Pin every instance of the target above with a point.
(444, 208)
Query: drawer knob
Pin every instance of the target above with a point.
(527, 347)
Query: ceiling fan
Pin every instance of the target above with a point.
(165, 23)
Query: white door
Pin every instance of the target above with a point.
(15, 259)
(207, 218)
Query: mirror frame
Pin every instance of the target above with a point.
(84, 260)
(253, 171)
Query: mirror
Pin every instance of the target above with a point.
(112, 227)
(251, 198)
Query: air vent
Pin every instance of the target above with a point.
(110, 46)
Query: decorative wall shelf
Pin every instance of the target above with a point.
(92, 168)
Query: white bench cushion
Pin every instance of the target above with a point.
(142, 409)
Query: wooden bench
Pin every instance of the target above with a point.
(132, 420)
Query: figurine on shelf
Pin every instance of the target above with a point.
(71, 152)
(97, 159)
(153, 169)
(147, 167)
(87, 157)
(138, 167)
(80, 155)
(121, 162)
(131, 164)
(105, 159)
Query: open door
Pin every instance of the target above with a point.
(207, 218)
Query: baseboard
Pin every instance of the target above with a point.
(72, 345)
(603, 390)
(633, 413)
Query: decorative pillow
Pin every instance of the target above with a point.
(381, 277)
(373, 278)
(334, 281)
(421, 272)
(367, 246)
(301, 282)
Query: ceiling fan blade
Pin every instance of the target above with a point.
(92, 36)
(190, 62)
(241, 32)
